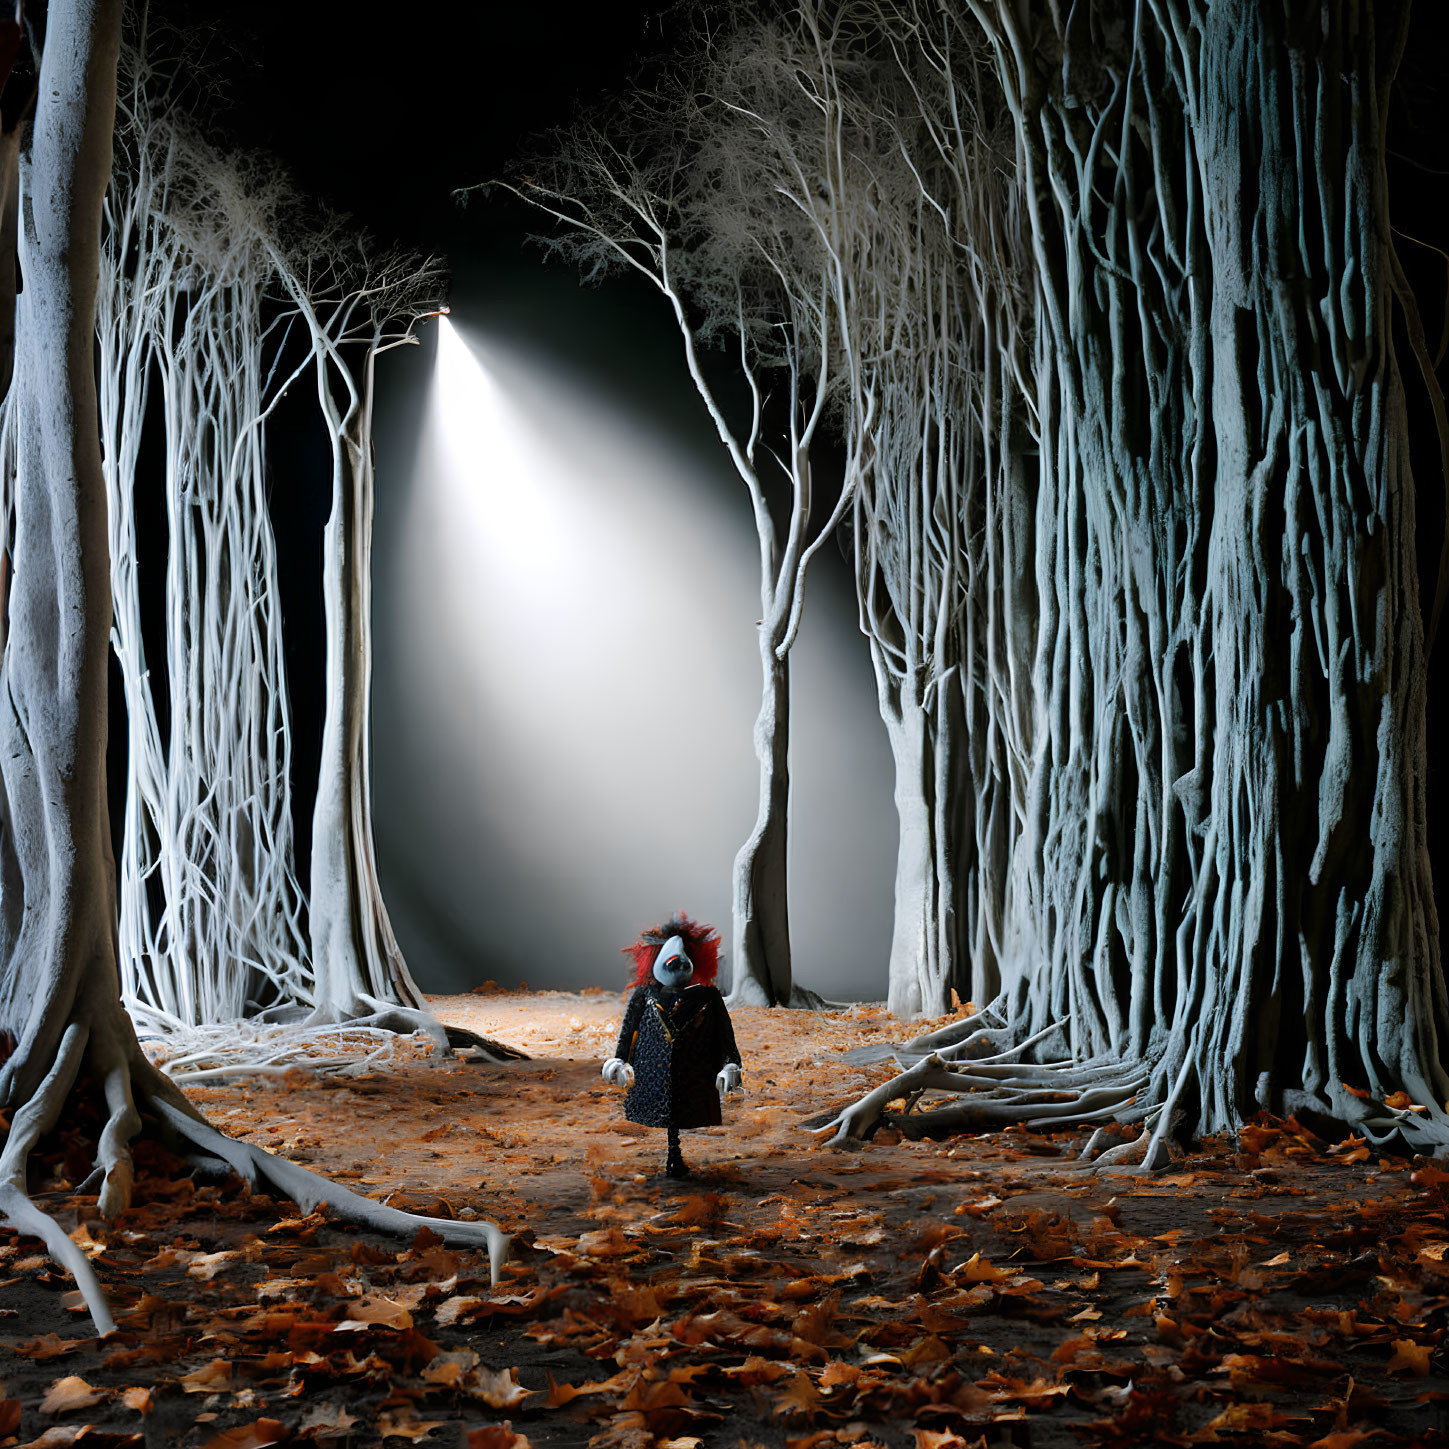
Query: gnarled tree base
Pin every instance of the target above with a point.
(107, 1049)
(996, 1085)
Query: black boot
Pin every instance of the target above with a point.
(674, 1165)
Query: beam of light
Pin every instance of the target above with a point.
(573, 679)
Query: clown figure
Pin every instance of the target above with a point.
(676, 1052)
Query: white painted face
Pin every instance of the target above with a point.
(672, 966)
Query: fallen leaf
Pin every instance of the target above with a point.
(206, 1266)
(211, 1378)
(374, 1312)
(1410, 1357)
(402, 1423)
(604, 1243)
(250, 1436)
(499, 1389)
(137, 1399)
(71, 1393)
(497, 1436)
(64, 1435)
(48, 1345)
(81, 1236)
(981, 1206)
(327, 1419)
(561, 1394)
(977, 1270)
(799, 1396)
(1402, 1102)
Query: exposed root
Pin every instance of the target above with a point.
(406, 1020)
(274, 1048)
(310, 1191)
(975, 1061)
(984, 1034)
(131, 1083)
(1001, 1092)
(34, 1117)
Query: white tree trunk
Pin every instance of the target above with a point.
(357, 963)
(210, 905)
(1224, 870)
(760, 920)
(60, 1004)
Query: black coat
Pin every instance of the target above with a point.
(676, 1041)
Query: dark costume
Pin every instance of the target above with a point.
(677, 1048)
(676, 1041)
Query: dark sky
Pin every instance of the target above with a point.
(384, 122)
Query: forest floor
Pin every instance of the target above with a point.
(1273, 1289)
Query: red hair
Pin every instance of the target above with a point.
(701, 941)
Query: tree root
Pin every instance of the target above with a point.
(407, 1020)
(974, 1059)
(273, 1048)
(1003, 1093)
(130, 1082)
(31, 1120)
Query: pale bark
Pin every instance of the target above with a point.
(210, 905)
(60, 1006)
(359, 968)
(760, 918)
(930, 296)
(1218, 879)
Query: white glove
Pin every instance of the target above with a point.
(727, 1079)
(618, 1073)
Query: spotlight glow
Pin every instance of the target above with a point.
(563, 581)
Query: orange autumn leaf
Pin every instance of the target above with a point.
(1410, 1358)
(250, 1436)
(940, 1439)
(9, 1416)
(71, 1393)
(211, 1378)
(1402, 1102)
(799, 1396)
(561, 1394)
(138, 1399)
(404, 1425)
(499, 1389)
(375, 1312)
(604, 1243)
(332, 1419)
(497, 1436)
(977, 1270)
(1357, 1092)
(1244, 1418)
(48, 1345)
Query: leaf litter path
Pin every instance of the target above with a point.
(1270, 1290)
